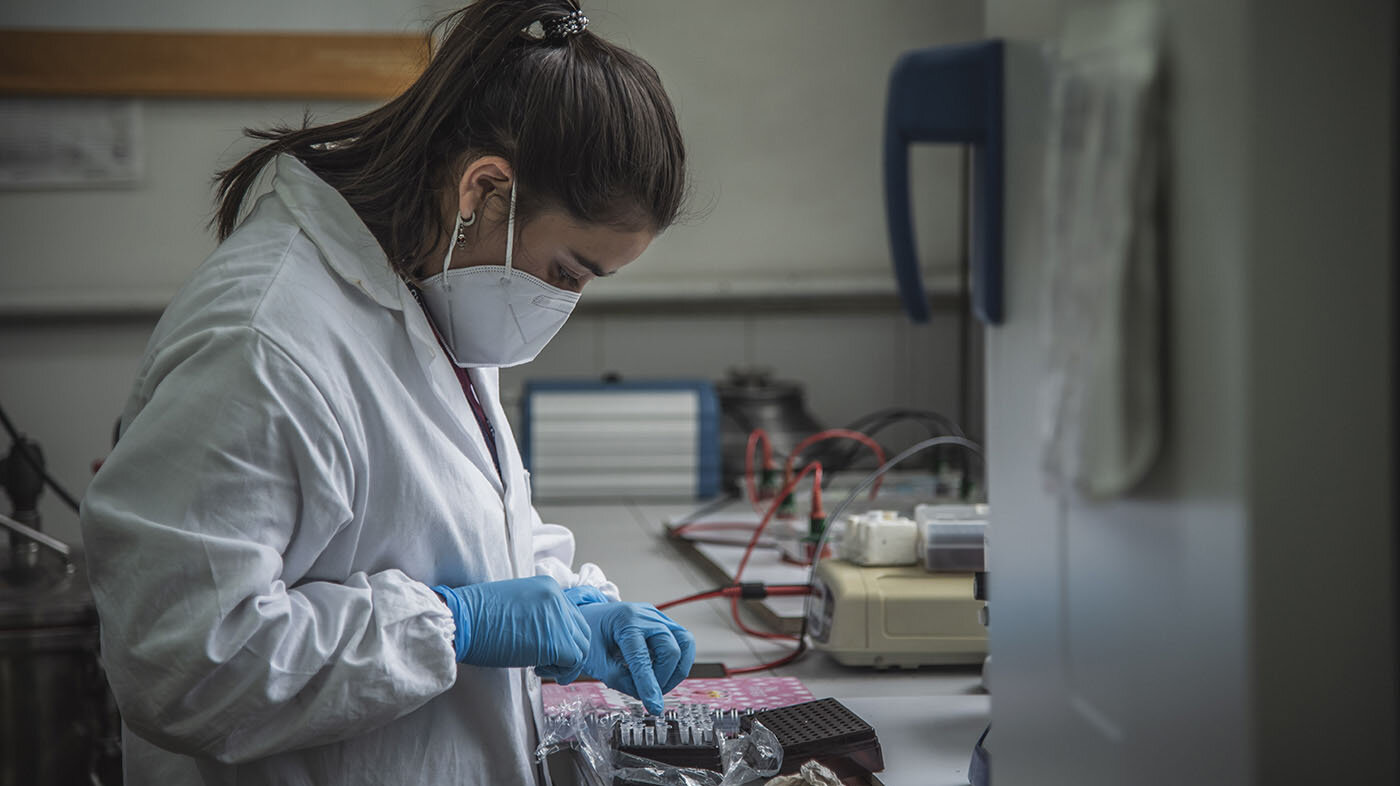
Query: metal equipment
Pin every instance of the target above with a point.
(751, 399)
(58, 722)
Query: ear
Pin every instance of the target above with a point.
(483, 177)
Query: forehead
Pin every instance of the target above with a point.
(602, 245)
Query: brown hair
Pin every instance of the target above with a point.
(587, 127)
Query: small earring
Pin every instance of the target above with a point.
(462, 228)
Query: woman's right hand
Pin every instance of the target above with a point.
(518, 622)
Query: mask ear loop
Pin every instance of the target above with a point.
(449, 329)
(451, 245)
(510, 234)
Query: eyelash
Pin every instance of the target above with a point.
(567, 274)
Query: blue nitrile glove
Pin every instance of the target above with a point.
(636, 649)
(584, 594)
(518, 622)
(579, 596)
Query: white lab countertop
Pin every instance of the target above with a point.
(927, 719)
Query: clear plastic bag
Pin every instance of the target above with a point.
(747, 758)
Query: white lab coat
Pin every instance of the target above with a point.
(297, 465)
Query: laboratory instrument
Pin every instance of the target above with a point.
(951, 538)
(638, 439)
(894, 616)
(879, 537)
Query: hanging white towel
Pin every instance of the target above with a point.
(1103, 388)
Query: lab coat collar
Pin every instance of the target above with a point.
(336, 229)
(353, 253)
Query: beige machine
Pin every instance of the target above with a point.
(900, 616)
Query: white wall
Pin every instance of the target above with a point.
(781, 103)
(85, 250)
(90, 268)
(756, 85)
(125, 251)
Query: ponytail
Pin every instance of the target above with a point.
(586, 124)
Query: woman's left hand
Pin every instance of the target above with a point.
(636, 649)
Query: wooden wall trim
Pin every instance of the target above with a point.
(209, 65)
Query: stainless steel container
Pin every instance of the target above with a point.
(751, 399)
(57, 724)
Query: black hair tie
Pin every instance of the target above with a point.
(564, 26)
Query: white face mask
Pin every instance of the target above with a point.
(493, 315)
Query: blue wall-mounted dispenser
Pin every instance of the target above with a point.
(951, 95)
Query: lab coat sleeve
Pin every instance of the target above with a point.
(223, 489)
(554, 556)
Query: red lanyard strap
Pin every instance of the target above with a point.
(468, 389)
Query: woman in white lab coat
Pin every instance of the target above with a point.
(313, 548)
